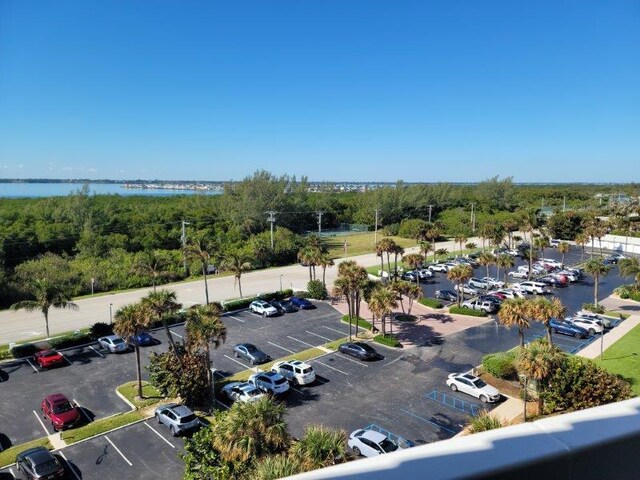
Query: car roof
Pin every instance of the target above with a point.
(180, 410)
(468, 376)
(372, 435)
(37, 455)
(56, 398)
(246, 345)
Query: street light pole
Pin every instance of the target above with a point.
(110, 314)
(281, 282)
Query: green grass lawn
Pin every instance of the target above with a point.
(623, 358)
(150, 394)
(359, 244)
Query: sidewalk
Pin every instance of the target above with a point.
(593, 349)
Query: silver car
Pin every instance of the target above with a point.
(269, 382)
(242, 392)
(113, 343)
(178, 418)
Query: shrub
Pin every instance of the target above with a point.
(391, 229)
(411, 227)
(301, 293)
(483, 422)
(467, 311)
(389, 340)
(317, 290)
(501, 364)
(24, 350)
(72, 340)
(100, 329)
(592, 308)
(431, 302)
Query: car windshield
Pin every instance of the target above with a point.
(117, 341)
(62, 407)
(254, 392)
(285, 304)
(366, 347)
(45, 468)
(388, 446)
(479, 383)
(307, 370)
(280, 381)
(50, 354)
(251, 348)
(188, 418)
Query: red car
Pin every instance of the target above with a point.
(49, 358)
(62, 413)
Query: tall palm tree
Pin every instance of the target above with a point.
(425, 248)
(381, 303)
(237, 261)
(485, 233)
(151, 265)
(510, 226)
(581, 240)
(381, 247)
(504, 261)
(306, 256)
(48, 294)
(486, 259)
(161, 303)
(597, 270)
(529, 224)
(200, 248)
(325, 261)
(458, 275)
(460, 239)
(541, 243)
(396, 250)
(130, 320)
(538, 360)
(205, 328)
(514, 313)
(563, 248)
(320, 447)
(630, 267)
(351, 282)
(543, 310)
(414, 260)
(433, 232)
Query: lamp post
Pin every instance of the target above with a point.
(110, 314)
(281, 282)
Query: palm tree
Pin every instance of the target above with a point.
(199, 248)
(543, 310)
(510, 226)
(485, 233)
(538, 360)
(130, 320)
(325, 261)
(351, 282)
(414, 260)
(204, 328)
(486, 259)
(151, 265)
(397, 250)
(386, 245)
(581, 240)
(441, 252)
(529, 224)
(237, 261)
(504, 261)
(250, 430)
(48, 294)
(381, 303)
(514, 313)
(597, 270)
(425, 248)
(541, 243)
(433, 232)
(320, 447)
(161, 303)
(630, 267)
(563, 248)
(458, 275)
(306, 256)
(460, 239)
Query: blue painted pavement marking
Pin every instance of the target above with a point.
(400, 441)
(435, 424)
(453, 402)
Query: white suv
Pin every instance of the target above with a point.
(483, 306)
(534, 287)
(297, 372)
(263, 308)
(594, 326)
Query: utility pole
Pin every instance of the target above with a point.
(564, 204)
(183, 237)
(319, 222)
(430, 207)
(473, 219)
(271, 220)
(375, 231)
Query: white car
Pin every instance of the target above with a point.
(518, 274)
(606, 320)
(297, 372)
(492, 282)
(242, 392)
(478, 283)
(263, 308)
(552, 262)
(466, 289)
(571, 276)
(269, 382)
(510, 293)
(474, 386)
(439, 267)
(481, 305)
(533, 287)
(113, 343)
(593, 326)
(425, 274)
(369, 443)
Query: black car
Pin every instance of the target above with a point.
(552, 281)
(251, 353)
(490, 298)
(37, 463)
(283, 306)
(448, 295)
(360, 350)
(610, 260)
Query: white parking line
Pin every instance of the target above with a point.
(41, 422)
(71, 467)
(304, 343)
(158, 433)
(81, 410)
(65, 357)
(234, 360)
(118, 450)
(333, 329)
(221, 404)
(329, 366)
(296, 390)
(12, 474)
(32, 366)
(97, 352)
(285, 349)
(344, 357)
(174, 333)
(320, 336)
(235, 318)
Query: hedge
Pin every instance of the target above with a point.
(100, 329)
(317, 290)
(467, 311)
(72, 340)
(431, 302)
(501, 364)
(389, 340)
(230, 305)
(24, 350)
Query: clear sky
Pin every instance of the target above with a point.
(332, 89)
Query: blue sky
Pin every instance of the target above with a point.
(332, 89)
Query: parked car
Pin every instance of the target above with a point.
(409, 276)
(496, 294)
(466, 289)
(439, 267)
(369, 443)
(269, 382)
(263, 308)
(492, 282)
(509, 293)
(297, 372)
(474, 386)
(571, 276)
(518, 274)
(302, 303)
(610, 260)
(448, 295)
(242, 392)
(360, 350)
(490, 297)
(606, 321)
(485, 306)
(283, 306)
(179, 418)
(425, 274)
(552, 281)
(592, 326)
(113, 343)
(553, 243)
(143, 339)
(49, 358)
(478, 283)
(533, 287)
(39, 463)
(60, 411)
(552, 262)
(251, 353)
(566, 328)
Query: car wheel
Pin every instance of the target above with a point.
(158, 418)
(484, 310)
(53, 425)
(264, 314)
(483, 399)
(553, 330)
(578, 335)
(236, 354)
(295, 382)
(252, 361)
(172, 430)
(592, 331)
(356, 451)
(454, 387)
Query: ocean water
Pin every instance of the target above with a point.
(33, 190)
